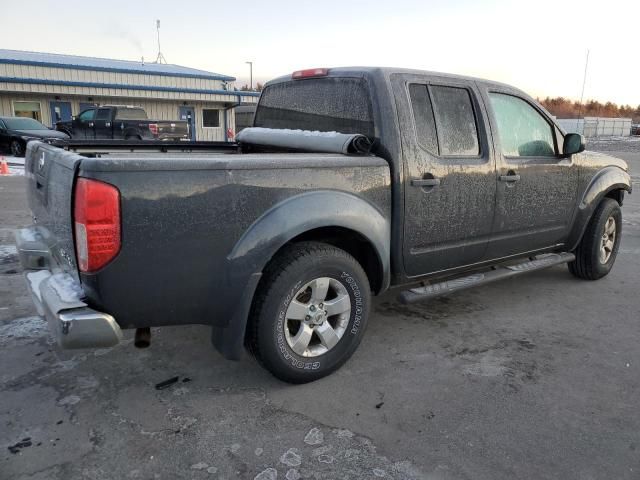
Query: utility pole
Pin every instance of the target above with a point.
(250, 75)
(160, 58)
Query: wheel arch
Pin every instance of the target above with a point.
(611, 182)
(328, 216)
(337, 218)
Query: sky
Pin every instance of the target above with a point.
(539, 46)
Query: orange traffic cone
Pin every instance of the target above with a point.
(4, 167)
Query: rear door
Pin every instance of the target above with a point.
(449, 179)
(536, 187)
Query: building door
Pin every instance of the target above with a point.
(189, 114)
(60, 112)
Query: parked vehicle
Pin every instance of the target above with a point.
(15, 132)
(122, 122)
(467, 182)
(635, 129)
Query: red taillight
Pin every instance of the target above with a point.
(153, 128)
(310, 73)
(96, 214)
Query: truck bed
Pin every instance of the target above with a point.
(188, 221)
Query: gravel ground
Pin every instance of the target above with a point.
(536, 378)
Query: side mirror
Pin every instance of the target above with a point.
(573, 143)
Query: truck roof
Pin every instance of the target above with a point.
(388, 71)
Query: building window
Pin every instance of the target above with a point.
(27, 109)
(210, 118)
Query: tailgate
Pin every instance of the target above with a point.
(50, 174)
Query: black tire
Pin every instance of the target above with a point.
(588, 264)
(17, 147)
(294, 268)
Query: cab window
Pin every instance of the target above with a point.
(523, 131)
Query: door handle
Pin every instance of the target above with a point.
(511, 176)
(425, 182)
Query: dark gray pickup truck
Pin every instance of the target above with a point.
(434, 183)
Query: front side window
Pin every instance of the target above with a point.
(210, 118)
(455, 120)
(87, 115)
(523, 131)
(27, 110)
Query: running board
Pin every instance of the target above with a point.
(428, 292)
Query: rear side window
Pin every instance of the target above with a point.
(131, 114)
(455, 121)
(522, 129)
(325, 104)
(103, 114)
(444, 119)
(423, 117)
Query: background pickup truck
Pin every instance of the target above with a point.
(122, 122)
(435, 183)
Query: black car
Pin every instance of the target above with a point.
(15, 132)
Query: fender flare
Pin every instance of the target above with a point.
(279, 225)
(606, 180)
(309, 211)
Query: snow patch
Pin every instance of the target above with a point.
(35, 279)
(22, 328)
(28, 234)
(66, 287)
(7, 251)
(291, 458)
(199, 466)
(268, 474)
(69, 400)
(293, 474)
(314, 437)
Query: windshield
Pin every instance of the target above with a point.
(325, 104)
(19, 123)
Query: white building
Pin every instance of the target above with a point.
(597, 126)
(52, 87)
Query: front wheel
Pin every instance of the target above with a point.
(310, 312)
(17, 148)
(597, 251)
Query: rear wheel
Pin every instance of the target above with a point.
(310, 312)
(17, 148)
(598, 248)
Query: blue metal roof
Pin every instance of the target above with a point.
(104, 64)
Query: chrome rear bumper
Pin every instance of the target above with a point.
(58, 297)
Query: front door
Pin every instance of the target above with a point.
(449, 179)
(60, 112)
(189, 115)
(536, 186)
(83, 124)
